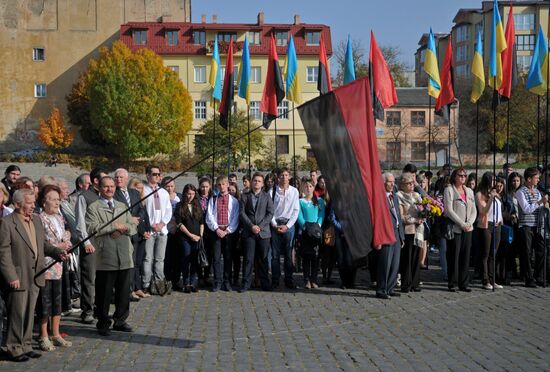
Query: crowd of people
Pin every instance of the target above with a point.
(215, 235)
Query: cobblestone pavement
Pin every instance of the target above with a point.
(325, 329)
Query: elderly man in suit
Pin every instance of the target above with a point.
(113, 256)
(256, 214)
(388, 255)
(22, 250)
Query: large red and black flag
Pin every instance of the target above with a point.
(274, 90)
(447, 93)
(383, 87)
(323, 74)
(228, 89)
(509, 64)
(340, 128)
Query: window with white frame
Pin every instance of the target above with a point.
(172, 37)
(256, 74)
(462, 33)
(524, 21)
(254, 37)
(525, 42)
(281, 38)
(312, 74)
(235, 74)
(393, 118)
(200, 74)
(312, 37)
(140, 37)
(282, 110)
(38, 54)
(199, 37)
(462, 53)
(40, 90)
(524, 63)
(200, 109)
(255, 110)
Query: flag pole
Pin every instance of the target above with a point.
(477, 138)
(494, 177)
(293, 143)
(229, 142)
(449, 139)
(508, 137)
(248, 138)
(276, 150)
(429, 131)
(538, 130)
(546, 176)
(214, 144)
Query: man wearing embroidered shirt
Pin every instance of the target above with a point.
(159, 210)
(222, 218)
(286, 208)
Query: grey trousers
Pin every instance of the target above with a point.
(21, 306)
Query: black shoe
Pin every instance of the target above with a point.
(227, 287)
(267, 289)
(540, 283)
(452, 289)
(123, 327)
(134, 299)
(187, 289)
(19, 358)
(33, 354)
(382, 296)
(290, 285)
(104, 331)
(417, 289)
(395, 294)
(215, 288)
(242, 290)
(194, 289)
(531, 285)
(466, 289)
(404, 291)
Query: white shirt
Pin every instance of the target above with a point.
(498, 213)
(164, 214)
(6, 212)
(286, 205)
(233, 210)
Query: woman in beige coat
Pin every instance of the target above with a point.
(460, 208)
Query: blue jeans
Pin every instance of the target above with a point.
(190, 264)
(281, 244)
(153, 263)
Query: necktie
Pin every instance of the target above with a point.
(127, 196)
(110, 204)
(392, 208)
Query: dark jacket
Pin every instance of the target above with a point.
(397, 217)
(138, 210)
(190, 223)
(261, 215)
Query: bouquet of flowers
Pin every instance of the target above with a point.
(430, 207)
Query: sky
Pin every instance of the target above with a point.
(398, 23)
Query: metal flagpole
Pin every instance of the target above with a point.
(545, 227)
(214, 145)
(248, 137)
(477, 138)
(276, 150)
(429, 132)
(508, 138)
(538, 130)
(294, 144)
(494, 182)
(229, 142)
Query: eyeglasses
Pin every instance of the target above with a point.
(155, 174)
(461, 175)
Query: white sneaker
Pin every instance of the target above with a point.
(498, 286)
(487, 286)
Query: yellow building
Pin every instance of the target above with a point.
(47, 43)
(187, 49)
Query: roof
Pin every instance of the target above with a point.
(437, 35)
(413, 97)
(156, 40)
(465, 11)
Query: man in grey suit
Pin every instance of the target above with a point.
(256, 214)
(22, 250)
(388, 255)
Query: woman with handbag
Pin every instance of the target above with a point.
(310, 219)
(460, 208)
(190, 228)
(489, 221)
(414, 234)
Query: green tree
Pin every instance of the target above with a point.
(130, 104)
(398, 68)
(239, 143)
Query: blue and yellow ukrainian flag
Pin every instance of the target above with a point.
(478, 73)
(431, 67)
(498, 45)
(215, 73)
(537, 80)
(293, 92)
(244, 73)
(349, 66)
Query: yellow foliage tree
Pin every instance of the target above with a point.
(53, 133)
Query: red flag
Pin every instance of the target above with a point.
(274, 90)
(447, 94)
(323, 74)
(382, 82)
(228, 88)
(509, 67)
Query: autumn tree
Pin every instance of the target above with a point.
(53, 133)
(130, 104)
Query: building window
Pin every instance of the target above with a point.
(199, 140)
(40, 90)
(281, 38)
(199, 37)
(524, 63)
(312, 37)
(200, 74)
(463, 70)
(255, 110)
(256, 74)
(200, 109)
(283, 144)
(312, 74)
(393, 119)
(38, 54)
(462, 33)
(422, 55)
(462, 53)
(418, 150)
(524, 21)
(440, 121)
(393, 152)
(140, 37)
(418, 118)
(227, 36)
(282, 110)
(525, 42)
(172, 37)
(254, 38)
(235, 75)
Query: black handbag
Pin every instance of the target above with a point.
(313, 231)
(202, 257)
(448, 232)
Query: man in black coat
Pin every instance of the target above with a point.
(388, 255)
(256, 214)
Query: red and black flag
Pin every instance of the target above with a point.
(323, 74)
(447, 93)
(274, 90)
(383, 87)
(228, 89)
(340, 128)
(509, 65)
